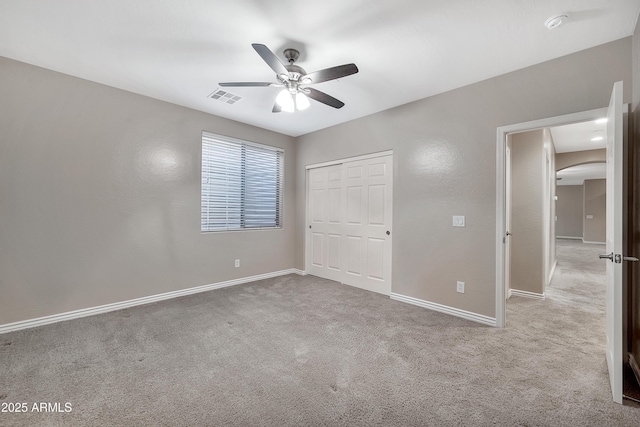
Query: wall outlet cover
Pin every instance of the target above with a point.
(458, 220)
(460, 287)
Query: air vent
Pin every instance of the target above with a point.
(224, 96)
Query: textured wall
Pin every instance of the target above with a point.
(569, 210)
(595, 204)
(445, 164)
(527, 211)
(100, 192)
(565, 160)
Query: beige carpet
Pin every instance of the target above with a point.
(302, 351)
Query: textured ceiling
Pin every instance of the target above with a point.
(178, 51)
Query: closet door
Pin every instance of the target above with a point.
(325, 223)
(367, 230)
(349, 223)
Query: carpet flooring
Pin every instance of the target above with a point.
(304, 351)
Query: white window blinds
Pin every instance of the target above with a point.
(241, 184)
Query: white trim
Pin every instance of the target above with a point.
(588, 242)
(502, 132)
(525, 294)
(569, 237)
(299, 272)
(85, 312)
(350, 159)
(553, 270)
(474, 317)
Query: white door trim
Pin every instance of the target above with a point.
(502, 133)
(350, 159)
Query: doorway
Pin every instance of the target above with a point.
(501, 200)
(615, 205)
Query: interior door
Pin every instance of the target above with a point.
(367, 229)
(325, 222)
(614, 242)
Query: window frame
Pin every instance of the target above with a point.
(210, 137)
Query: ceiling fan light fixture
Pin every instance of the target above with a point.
(302, 102)
(285, 101)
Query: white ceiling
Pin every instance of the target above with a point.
(178, 50)
(577, 137)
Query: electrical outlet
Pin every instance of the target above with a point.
(458, 220)
(460, 287)
(237, 263)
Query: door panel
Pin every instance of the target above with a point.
(375, 258)
(354, 205)
(317, 249)
(376, 205)
(354, 260)
(334, 258)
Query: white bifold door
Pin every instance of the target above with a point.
(349, 234)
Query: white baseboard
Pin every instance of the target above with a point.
(525, 294)
(85, 312)
(474, 317)
(569, 237)
(299, 272)
(593, 243)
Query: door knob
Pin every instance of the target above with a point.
(606, 256)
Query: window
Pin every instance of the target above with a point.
(241, 184)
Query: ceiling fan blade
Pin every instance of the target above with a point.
(324, 98)
(332, 73)
(276, 108)
(270, 58)
(246, 84)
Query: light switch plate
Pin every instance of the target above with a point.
(458, 221)
(460, 287)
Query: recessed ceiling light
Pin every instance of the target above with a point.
(555, 21)
(597, 138)
(602, 120)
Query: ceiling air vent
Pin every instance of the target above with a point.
(224, 96)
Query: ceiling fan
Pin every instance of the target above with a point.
(292, 78)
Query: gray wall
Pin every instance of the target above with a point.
(565, 160)
(527, 211)
(444, 153)
(595, 204)
(100, 192)
(569, 209)
(100, 187)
